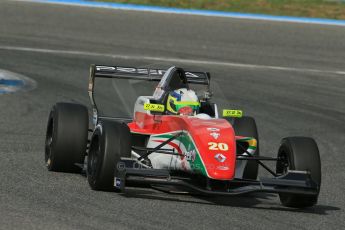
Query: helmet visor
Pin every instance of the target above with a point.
(180, 104)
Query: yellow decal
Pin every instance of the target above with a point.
(232, 113)
(218, 146)
(154, 107)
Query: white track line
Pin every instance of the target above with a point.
(168, 59)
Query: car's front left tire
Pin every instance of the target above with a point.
(110, 141)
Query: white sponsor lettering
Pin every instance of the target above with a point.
(213, 129)
(223, 167)
(126, 70)
(192, 75)
(105, 68)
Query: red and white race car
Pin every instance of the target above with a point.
(176, 144)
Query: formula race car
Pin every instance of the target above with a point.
(176, 141)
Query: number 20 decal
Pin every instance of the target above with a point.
(218, 146)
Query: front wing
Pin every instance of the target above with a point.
(293, 182)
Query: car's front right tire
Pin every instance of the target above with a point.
(246, 126)
(66, 137)
(302, 154)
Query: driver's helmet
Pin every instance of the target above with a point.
(183, 102)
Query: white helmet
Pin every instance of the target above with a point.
(183, 101)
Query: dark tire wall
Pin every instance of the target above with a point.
(110, 141)
(300, 153)
(246, 126)
(68, 126)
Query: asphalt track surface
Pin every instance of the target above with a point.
(285, 102)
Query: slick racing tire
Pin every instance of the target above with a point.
(66, 137)
(110, 141)
(302, 154)
(246, 126)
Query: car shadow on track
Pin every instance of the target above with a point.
(255, 201)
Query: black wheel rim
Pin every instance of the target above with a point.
(282, 164)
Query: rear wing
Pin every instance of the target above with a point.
(193, 77)
(146, 74)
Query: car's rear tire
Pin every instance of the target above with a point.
(246, 126)
(110, 141)
(66, 137)
(299, 153)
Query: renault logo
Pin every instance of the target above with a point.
(220, 157)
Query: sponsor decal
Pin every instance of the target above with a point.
(190, 155)
(215, 135)
(191, 75)
(222, 168)
(105, 68)
(218, 146)
(140, 124)
(117, 182)
(213, 129)
(119, 69)
(154, 107)
(186, 144)
(232, 113)
(220, 157)
(252, 144)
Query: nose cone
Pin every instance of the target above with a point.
(221, 167)
(216, 144)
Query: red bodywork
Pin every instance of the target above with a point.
(221, 144)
